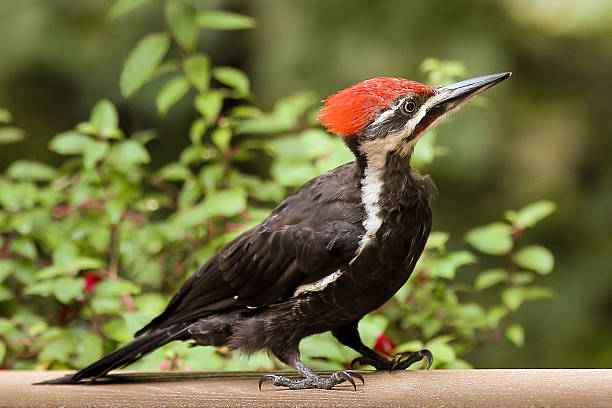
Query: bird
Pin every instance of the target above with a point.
(336, 249)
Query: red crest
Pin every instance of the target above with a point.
(348, 111)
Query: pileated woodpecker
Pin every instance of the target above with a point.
(333, 251)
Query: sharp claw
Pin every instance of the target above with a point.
(396, 361)
(266, 378)
(427, 354)
(344, 376)
(356, 375)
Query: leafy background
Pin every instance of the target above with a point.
(142, 135)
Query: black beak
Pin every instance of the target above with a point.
(451, 96)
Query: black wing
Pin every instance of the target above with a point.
(308, 236)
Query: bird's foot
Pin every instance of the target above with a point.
(313, 380)
(399, 362)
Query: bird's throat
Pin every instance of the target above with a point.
(389, 187)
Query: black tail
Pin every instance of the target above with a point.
(126, 354)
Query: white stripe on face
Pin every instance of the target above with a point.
(376, 152)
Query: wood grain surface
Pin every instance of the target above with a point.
(435, 388)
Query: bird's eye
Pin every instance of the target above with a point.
(408, 107)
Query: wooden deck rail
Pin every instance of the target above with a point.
(435, 388)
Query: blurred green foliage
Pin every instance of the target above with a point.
(90, 251)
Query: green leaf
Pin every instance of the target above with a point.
(117, 330)
(441, 71)
(197, 69)
(516, 334)
(151, 304)
(127, 154)
(538, 292)
(10, 134)
(105, 120)
(470, 312)
(458, 364)
(203, 359)
(121, 7)
(58, 349)
(142, 62)
(290, 173)
(171, 93)
(104, 305)
(425, 151)
(522, 278)
(285, 117)
(69, 143)
(322, 346)
(445, 266)
(442, 351)
(234, 78)
(5, 116)
(93, 152)
(174, 171)
(6, 326)
(411, 345)
(535, 257)
(189, 194)
(437, 240)
(43, 288)
(65, 254)
(135, 321)
(492, 239)
(490, 277)
(115, 288)
(221, 137)
(67, 289)
(89, 349)
(2, 351)
(226, 202)
(513, 297)
(181, 17)
(144, 136)
(209, 105)
(372, 326)
(495, 314)
(5, 294)
(196, 131)
(165, 67)
(222, 203)
(31, 170)
(25, 247)
(223, 20)
(529, 215)
(7, 266)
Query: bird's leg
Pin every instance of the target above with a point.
(349, 336)
(311, 379)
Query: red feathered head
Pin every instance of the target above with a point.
(348, 111)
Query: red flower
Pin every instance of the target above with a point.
(91, 279)
(384, 345)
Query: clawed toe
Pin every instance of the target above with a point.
(399, 362)
(314, 381)
(346, 375)
(267, 377)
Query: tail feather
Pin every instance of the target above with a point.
(126, 354)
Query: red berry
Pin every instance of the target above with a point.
(384, 345)
(91, 279)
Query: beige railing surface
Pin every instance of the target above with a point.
(435, 388)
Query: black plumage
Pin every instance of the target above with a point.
(333, 251)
